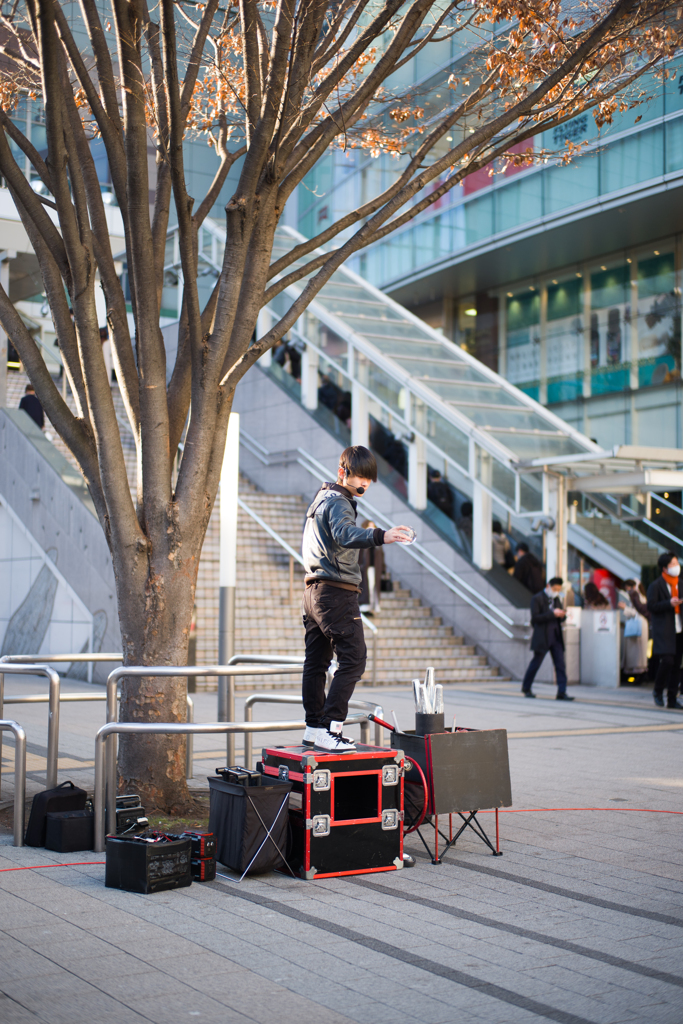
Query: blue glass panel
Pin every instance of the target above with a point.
(568, 186)
(631, 160)
(519, 202)
(478, 219)
(674, 145)
(531, 390)
(606, 381)
(565, 389)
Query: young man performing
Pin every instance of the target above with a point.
(332, 620)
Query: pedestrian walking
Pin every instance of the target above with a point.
(664, 605)
(636, 633)
(331, 614)
(547, 615)
(30, 403)
(528, 570)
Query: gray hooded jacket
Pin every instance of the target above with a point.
(331, 538)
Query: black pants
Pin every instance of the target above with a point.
(333, 624)
(669, 673)
(557, 654)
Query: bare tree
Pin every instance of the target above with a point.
(273, 84)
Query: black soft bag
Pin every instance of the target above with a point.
(69, 831)
(65, 797)
(240, 817)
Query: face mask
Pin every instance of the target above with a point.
(674, 570)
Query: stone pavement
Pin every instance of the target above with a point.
(581, 920)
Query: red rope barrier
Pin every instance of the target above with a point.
(71, 864)
(536, 810)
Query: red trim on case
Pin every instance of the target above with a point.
(360, 871)
(296, 776)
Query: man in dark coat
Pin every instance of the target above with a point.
(30, 403)
(666, 630)
(547, 614)
(528, 569)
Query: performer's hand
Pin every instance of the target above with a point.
(397, 533)
(559, 613)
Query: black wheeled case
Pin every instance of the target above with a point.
(241, 818)
(69, 831)
(65, 797)
(137, 866)
(346, 810)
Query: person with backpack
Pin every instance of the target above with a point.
(331, 613)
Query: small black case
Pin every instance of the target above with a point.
(204, 869)
(137, 866)
(203, 843)
(65, 797)
(69, 831)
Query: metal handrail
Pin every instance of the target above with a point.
(7, 725)
(420, 553)
(43, 698)
(53, 713)
(141, 671)
(281, 698)
(105, 779)
(294, 555)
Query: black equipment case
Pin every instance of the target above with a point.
(346, 810)
(69, 831)
(139, 866)
(242, 817)
(65, 797)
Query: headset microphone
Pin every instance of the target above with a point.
(360, 490)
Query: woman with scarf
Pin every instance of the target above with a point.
(664, 605)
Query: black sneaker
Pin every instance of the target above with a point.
(659, 700)
(528, 693)
(564, 696)
(676, 706)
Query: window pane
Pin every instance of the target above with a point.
(631, 160)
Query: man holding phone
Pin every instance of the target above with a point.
(331, 612)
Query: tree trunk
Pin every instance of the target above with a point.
(156, 631)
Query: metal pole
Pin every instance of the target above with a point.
(374, 659)
(52, 731)
(189, 744)
(19, 777)
(228, 574)
(111, 746)
(248, 755)
(2, 715)
(291, 579)
(53, 713)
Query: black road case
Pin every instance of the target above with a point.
(69, 831)
(346, 810)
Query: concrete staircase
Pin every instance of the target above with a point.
(269, 617)
(269, 620)
(627, 541)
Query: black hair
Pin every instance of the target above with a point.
(359, 461)
(496, 527)
(29, 387)
(630, 583)
(665, 559)
(523, 547)
(556, 581)
(466, 509)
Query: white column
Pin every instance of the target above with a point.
(417, 474)
(263, 325)
(482, 551)
(309, 377)
(555, 506)
(227, 579)
(502, 334)
(360, 426)
(543, 353)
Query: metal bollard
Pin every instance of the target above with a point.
(7, 725)
(53, 713)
